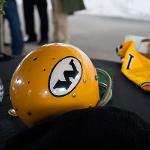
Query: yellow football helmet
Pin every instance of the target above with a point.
(135, 65)
(54, 79)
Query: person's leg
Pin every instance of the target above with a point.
(28, 6)
(11, 14)
(42, 8)
(60, 22)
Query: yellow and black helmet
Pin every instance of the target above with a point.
(54, 79)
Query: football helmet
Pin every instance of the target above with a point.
(135, 65)
(54, 79)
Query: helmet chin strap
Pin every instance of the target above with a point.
(106, 86)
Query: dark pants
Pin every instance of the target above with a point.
(29, 18)
(11, 14)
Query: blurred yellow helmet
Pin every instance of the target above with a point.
(51, 80)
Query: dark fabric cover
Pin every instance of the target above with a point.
(70, 6)
(106, 128)
(126, 95)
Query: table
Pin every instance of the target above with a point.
(126, 95)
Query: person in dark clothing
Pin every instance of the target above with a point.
(29, 20)
(11, 14)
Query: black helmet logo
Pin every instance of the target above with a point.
(65, 76)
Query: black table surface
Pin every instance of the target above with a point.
(126, 95)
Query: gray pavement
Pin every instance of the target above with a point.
(98, 36)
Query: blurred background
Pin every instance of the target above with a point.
(98, 29)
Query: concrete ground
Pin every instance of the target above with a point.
(99, 36)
